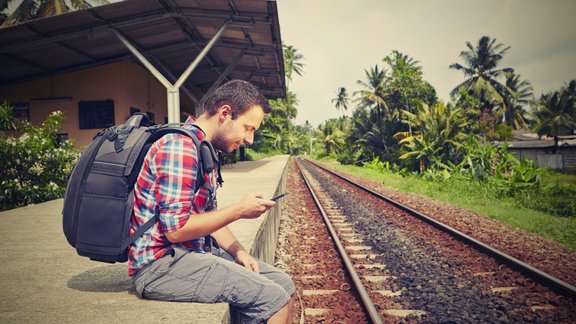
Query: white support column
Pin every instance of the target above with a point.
(173, 90)
(173, 105)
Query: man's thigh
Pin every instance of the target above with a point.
(207, 278)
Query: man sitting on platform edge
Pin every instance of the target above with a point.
(189, 254)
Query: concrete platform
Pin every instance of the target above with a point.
(43, 280)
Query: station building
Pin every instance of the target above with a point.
(101, 65)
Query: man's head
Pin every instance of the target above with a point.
(237, 109)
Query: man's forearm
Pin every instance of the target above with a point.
(204, 224)
(228, 241)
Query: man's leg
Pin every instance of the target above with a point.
(284, 315)
(205, 278)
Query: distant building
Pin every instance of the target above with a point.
(552, 153)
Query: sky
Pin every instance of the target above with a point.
(340, 39)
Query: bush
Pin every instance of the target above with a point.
(36, 164)
(554, 199)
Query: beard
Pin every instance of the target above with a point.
(222, 142)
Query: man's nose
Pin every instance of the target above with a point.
(249, 139)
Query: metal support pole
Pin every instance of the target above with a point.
(143, 60)
(221, 78)
(200, 56)
(173, 90)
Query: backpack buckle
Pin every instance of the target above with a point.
(111, 135)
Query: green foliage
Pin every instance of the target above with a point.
(36, 166)
(434, 137)
(378, 165)
(554, 199)
(7, 121)
(556, 112)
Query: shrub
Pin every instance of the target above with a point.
(36, 164)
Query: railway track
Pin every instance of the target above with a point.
(391, 267)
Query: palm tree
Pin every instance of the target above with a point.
(556, 112)
(333, 136)
(373, 94)
(31, 9)
(342, 99)
(365, 134)
(292, 61)
(481, 64)
(514, 114)
(386, 119)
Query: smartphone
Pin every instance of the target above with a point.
(279, 196)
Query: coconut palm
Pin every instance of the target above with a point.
(292, 61)
(342, 99)
(31, 9)
(373, 93)
(514, 114)
(482, 72)
(556, 112)
(332, 136)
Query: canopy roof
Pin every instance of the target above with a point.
(169, 33)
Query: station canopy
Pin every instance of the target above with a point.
(170, 34)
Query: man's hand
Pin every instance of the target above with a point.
(253, 205)
(246, 260)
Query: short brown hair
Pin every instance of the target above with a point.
(239, 95)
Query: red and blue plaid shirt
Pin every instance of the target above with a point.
(167, 182)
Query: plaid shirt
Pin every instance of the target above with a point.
(167, 182)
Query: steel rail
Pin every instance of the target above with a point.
(539, 275)
(368, 304)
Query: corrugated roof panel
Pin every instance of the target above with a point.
(169, 33)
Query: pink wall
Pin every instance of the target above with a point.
(126, 83)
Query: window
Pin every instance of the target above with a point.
(22, 111)
(96, 114)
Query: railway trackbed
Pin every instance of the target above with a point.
(400, 268)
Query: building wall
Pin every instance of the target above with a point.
(543, 157)
(128, 84)
(569, 158)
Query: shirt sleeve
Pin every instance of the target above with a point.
(176, 168)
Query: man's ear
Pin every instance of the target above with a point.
(224, 112)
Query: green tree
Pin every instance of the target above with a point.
(515, 101)
(276, 131)
(482, 72)
(556, 112)
(333, 135)
(32, 9)
(437, 134)
(292, 61)
(373, 96)
(342, 99)
(405, 84)
(366, 135)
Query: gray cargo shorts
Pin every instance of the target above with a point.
(186, 276)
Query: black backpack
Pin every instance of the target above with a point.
(99, 198)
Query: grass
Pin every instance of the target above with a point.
(474, 197)
(559, 178)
